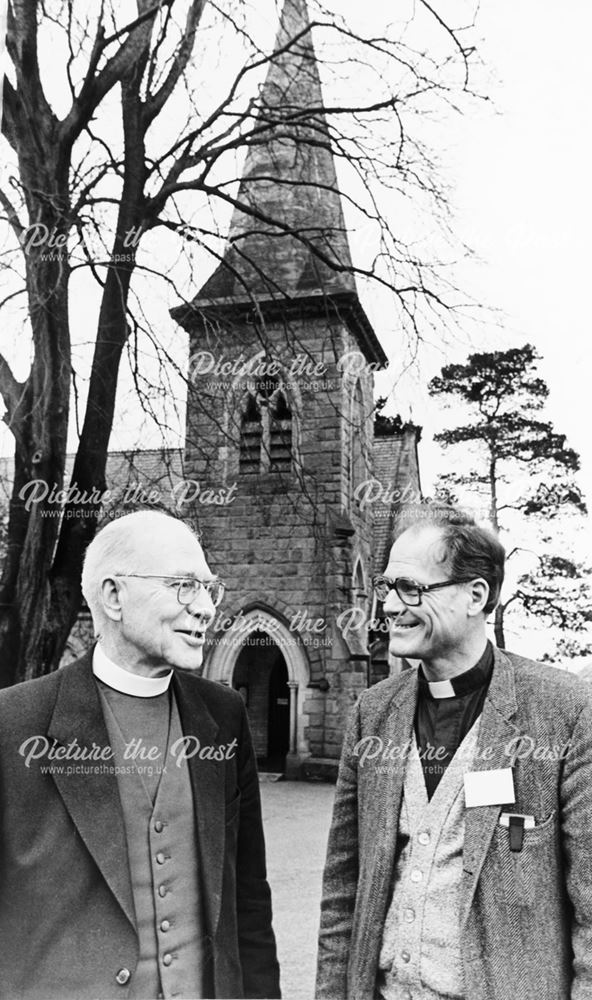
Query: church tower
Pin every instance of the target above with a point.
(280, 429)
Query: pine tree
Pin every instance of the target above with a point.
(509, 438)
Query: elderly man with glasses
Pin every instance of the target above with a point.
(132, 858)
(459, 858)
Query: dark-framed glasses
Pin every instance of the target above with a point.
(188, 587)
(409, 591)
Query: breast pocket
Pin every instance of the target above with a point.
(524, 874)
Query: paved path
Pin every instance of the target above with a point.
(296, 817)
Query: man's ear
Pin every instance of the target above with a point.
(478, 592)
(111, 600)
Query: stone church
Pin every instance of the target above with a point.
(281, 429)
(295, 485)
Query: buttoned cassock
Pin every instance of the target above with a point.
(525, 917)
(174, 960)
(67, 922)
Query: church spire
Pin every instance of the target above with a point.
(289, 176)
(294, 19)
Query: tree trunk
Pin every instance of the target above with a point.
(500, 638)
(88, 474)
(39, 422)
(493, 513)
(40, 595)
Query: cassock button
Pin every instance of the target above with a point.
(162, 891)
(160, 857)
(167, 959)
(405, 956)
(123, 977)
(165, 925)
(159, 826)
(424, 837)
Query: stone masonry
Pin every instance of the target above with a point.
(280, 420)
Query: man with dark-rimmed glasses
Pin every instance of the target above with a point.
(458, 863)
(132, 858)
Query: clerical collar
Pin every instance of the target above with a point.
(113, 676)
(464, 683)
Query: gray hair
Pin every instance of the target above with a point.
(115, 551)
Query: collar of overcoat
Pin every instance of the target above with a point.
(92, 800)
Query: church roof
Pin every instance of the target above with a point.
(288, 243)
(289, 175)
(396, 469)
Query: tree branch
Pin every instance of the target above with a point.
(11, 214)
(153, 106)
(21, 44)
(95, 88)
(9, 111)
(465, 53)
(10, 388)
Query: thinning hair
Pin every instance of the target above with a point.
(468, 549)
(116, 550)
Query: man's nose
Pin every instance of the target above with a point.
(202, 606)
(393, 604)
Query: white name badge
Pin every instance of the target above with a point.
(489, 788)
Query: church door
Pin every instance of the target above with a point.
(261, 676)
(278, 731)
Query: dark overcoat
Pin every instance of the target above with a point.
(67, 924)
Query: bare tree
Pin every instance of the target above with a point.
(115, 151)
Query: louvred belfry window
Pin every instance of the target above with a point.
(251, 436)
(266, 435)
(280, 434)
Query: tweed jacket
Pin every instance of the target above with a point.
(526, 917)
(67, 922)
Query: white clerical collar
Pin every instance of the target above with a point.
(470, 680)
(441, 689)
(125, 681)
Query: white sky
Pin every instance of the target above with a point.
(522, 198)
(522, 202)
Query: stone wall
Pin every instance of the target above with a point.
(289, 542)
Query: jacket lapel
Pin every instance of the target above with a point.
(381, 818)
(496, 731)
(399, 733)
(208, 784)
(386, 776)
(92, 800)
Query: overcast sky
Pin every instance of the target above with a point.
(522, 202)
(519, 174)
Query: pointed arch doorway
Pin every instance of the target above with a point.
(261, 676)
(271, 672)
